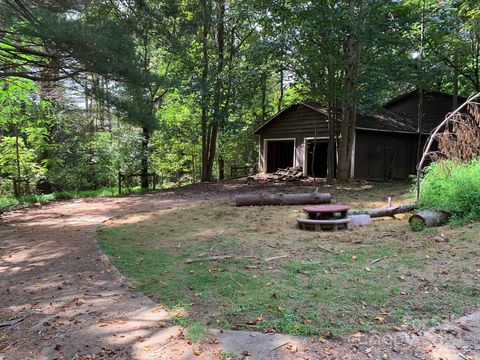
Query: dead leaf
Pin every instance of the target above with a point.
(79, 302)
(197, 352)
(361, 322)
(440, 239)
(380, 319)
(254, 322)
(368, 269)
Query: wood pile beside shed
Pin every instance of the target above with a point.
(288, 174)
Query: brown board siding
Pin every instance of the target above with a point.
(297, 122)
(298, 119)
(435, 107)
(384, 156)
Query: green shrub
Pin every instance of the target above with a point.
(453, 187)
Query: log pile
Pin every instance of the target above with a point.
(288, 174)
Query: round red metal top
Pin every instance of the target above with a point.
(325, 209)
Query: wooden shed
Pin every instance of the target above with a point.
(385, 143)
(436, 105)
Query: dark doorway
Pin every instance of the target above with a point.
(320, 161)
(279, 154)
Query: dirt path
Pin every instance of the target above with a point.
(74, 304)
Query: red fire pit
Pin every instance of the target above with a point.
(325, 211)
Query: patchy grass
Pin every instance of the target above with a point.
(227, 355)
(6, 202)
(197, 331)
(394, 277)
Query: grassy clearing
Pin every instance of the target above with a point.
(61, 195)
(413, 279)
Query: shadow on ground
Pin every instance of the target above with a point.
(75, 304)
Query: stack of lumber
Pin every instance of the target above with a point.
(288, 174)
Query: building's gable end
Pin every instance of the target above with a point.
(297, 118)
(436, 106)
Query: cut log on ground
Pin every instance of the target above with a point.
(428, 218)
(388, 211)
(282, 199)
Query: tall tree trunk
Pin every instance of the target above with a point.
(194, 178)
(144, 170)
(419, 123)
(282, 91)
(348, 104)
(353, 118)
(351, 73)
(331, 144)
(455, 81)
(48, 91)
(420, 88)
(221, 168)
(476, 61)
(206, 4)
(217, 102)
(17, 182)
(264, 97)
